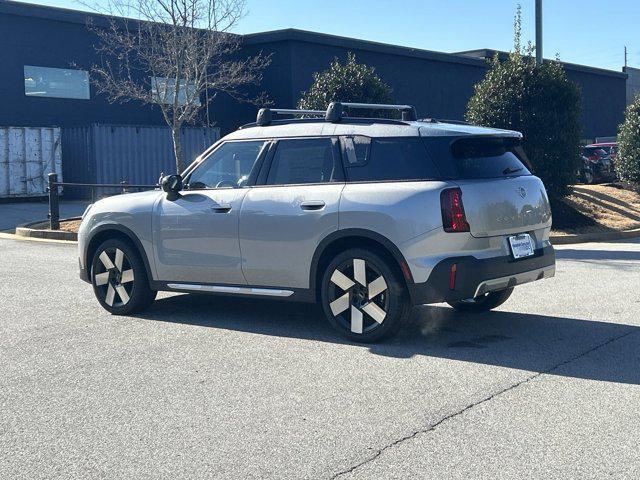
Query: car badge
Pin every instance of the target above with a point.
(521, 191)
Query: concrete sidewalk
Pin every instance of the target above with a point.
(14, 214)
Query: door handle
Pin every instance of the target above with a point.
(221, 208)
(312, 205)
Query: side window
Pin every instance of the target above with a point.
(227, 166)
(391, 158)
(300, 161)
(357, 150)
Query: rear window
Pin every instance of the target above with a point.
(474, 157)
(595, 151)
(387, 159)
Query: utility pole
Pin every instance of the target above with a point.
(625, 56)
(539, 32)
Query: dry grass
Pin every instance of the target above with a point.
(609, 207)
(70, 225)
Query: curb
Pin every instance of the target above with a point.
(31, 230)
(594, 237)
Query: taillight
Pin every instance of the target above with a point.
(453, 217)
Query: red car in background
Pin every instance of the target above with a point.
(598, 162)
(611, 148)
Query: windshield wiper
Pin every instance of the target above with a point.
(510, 170)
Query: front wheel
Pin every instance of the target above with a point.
(119, 278)
(483, 303)
(363, 296)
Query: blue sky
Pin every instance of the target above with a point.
(589, 32)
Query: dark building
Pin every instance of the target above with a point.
(439, 84)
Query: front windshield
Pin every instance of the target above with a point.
(228, 166)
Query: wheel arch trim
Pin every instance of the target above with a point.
(127, 232)
(357, 232)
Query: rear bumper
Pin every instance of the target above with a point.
(475, 277)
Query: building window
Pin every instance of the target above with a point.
(163, 90)
(56, 82)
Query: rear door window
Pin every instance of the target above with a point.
(302, 161)
(478, 157)
(387, 159)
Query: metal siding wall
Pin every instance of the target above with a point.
(27, 156)
(136, 154)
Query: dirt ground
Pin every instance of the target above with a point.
(601, 207)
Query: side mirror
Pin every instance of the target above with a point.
(172, 184)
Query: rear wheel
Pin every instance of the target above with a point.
(363, 296)
(483, 303)
(119, 278)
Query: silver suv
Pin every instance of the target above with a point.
(365, 216)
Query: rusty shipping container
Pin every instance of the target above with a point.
(27, 156)
(136, 154)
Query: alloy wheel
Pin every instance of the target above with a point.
(113, 277)
(358, 296)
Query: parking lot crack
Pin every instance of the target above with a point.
(431, 427)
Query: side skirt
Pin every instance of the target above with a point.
(288, 294)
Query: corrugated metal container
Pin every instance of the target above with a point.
(116, 153)
(27, 156)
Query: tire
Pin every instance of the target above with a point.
(363, 296)
(588, 177)
(484, 303)
(119, 278)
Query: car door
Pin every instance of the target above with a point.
(283, 220)
(196, 235)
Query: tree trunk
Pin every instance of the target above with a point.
(177, 148)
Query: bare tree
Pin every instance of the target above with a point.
(172, 53)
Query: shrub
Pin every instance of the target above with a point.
(348, 82)
(628, 161)
(539, 101)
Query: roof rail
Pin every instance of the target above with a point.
(335, 112)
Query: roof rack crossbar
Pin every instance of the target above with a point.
(265, 115)
(335, 110)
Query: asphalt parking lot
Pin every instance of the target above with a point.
(547, 386)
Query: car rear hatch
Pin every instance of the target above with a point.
(499, 193)
(505, 206)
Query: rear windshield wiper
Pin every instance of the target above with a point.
(510, 170)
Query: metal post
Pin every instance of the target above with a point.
(539, 32)
(54, 204)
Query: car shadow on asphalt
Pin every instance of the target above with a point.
(537, 343)
(593, 254)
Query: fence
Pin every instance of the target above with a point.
(108, 154)
(54, 194)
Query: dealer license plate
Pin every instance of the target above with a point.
(521, 245)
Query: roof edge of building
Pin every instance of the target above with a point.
(356, 43)
(487, 53)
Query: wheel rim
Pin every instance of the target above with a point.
(589, 177)
(358, 296)
(113, 277)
